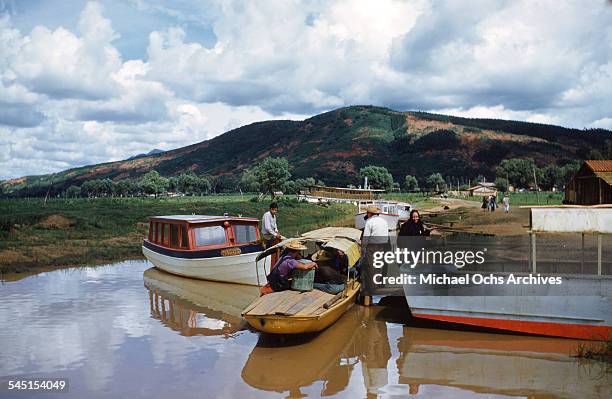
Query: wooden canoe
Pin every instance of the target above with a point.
(293, 312)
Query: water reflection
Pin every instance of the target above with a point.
(178, 337)
(501, 364)
(194, 307)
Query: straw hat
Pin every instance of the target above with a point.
(320, 255)
(295, 246)
(373, 209)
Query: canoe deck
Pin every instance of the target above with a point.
(289, 303)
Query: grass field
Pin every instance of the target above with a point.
(68, 232)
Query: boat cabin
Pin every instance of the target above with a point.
(201, 232)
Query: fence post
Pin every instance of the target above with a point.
(533, 252)
(599, 254)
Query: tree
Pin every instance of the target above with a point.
(552, 176)
(411, 183)
(295, 186)
(73, 192)
(123, 188)
(519, 172)
(435, 181)
(501, 183)
(188, 183)
(271, 175)
(568, 171)
(248, 181)
(154, 183)
(378, 177)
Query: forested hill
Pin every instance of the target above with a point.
(333, 146)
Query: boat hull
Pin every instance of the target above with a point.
(238, 269)
(279, 324)
(584, 312)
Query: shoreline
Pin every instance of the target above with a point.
(89, 232)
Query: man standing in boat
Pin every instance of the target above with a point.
(375, 238)
(269, 230)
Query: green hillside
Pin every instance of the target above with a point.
(333, 147)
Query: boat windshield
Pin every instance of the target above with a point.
(209, 235)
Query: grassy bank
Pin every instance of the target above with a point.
(68, 232)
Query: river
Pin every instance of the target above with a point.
(127, 330)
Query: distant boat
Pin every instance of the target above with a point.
(394, 213)
(216, 248)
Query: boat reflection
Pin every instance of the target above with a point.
(291, 363)
(499, 364)
(197, 307)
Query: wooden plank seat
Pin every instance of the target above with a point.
(290, 303)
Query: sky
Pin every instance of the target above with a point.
(84, 82)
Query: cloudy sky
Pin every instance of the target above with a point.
(84, 82)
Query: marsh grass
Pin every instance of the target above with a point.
(601, 350)
(102, 230)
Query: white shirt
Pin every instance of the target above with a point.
(376, 231)
(268, 224)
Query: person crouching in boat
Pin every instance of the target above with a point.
(331, 272)
(278, 279)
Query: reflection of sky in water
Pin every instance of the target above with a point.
(94, 326)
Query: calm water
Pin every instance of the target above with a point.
(125, 331)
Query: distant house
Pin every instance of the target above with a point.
(591, 185)
(482, 189)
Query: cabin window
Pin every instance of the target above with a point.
(157, 233)
(174, 235)
(210, 235)
(165, 234)
(245, 233)
(184, 237)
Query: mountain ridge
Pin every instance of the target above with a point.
(334, 145)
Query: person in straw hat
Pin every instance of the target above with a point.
(279, 276)
(375, 239)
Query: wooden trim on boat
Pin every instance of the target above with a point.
(201, 253)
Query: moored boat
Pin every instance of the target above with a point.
(393, 212)
(578, 307)
(217, 248)
(294, 312)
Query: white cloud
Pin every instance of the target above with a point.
(61, 64)
(68, 97)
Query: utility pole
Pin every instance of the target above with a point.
(535, 181)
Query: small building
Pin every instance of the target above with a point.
(482, 189)
(591, 185)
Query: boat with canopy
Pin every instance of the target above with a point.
(297, 312)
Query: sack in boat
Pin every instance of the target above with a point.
(302, 280)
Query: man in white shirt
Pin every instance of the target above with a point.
(376, 229)
(375, 239)
(269, 230)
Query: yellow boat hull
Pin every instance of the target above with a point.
(281, 324)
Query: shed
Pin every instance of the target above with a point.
(591, 185)
(483, 189)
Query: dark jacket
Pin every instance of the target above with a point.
(410, 228)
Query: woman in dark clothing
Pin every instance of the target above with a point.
(414, 226)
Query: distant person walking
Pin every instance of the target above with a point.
(493, 203)
(485, 203)
(269, 229)
(506, 202)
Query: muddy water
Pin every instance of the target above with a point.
(125, 330)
